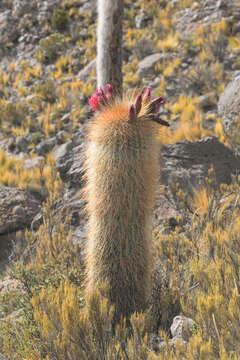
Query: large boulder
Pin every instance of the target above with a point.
(146, 66)
(229, 110)
(188, 163)
(18, 209)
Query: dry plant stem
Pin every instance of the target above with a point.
(121, 171)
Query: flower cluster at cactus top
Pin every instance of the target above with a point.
(99, 98)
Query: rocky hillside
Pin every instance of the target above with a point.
(187, 51)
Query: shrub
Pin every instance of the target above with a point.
(50, 48)
(13, 113)
(59, 19)
(46, 91)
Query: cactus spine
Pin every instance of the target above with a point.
(121, 174)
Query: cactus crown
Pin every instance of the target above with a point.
(143, 106)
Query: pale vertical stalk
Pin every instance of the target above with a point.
(109, 43)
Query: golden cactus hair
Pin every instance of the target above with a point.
(122, 169)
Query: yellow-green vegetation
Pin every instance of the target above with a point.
(50, 48)
(196, 265)
(196, 273)
(13, 174)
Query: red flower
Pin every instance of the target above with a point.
(94, 100)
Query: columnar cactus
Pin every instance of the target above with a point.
(122, 168)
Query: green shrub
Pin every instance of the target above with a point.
(46, 91)
(59, 19)
(13, 113)
(50, 48)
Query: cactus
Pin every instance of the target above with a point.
(109, 43)
(122, 168)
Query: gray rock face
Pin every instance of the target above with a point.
(71, 166)
(21, 7)
(229, 109)
(141, 19)
(22, 143)
(182, 328)
(3, 357)
(45, 8)
(70, 161)
(188, 163)
(18, 208)
(8, 28)
(147, 64)
(46, 146)
(84, 74)
(213, 11)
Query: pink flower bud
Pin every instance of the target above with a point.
(131, 113)
(138, 104)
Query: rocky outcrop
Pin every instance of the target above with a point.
(84, 74)
(147, 64)
(18, 209)
(211, 11)
(229, 109)
(3, 357)
(188, 163)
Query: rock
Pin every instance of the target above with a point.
(229, 110)
(5, 4)
(89, 6)
(182, 328)
(22, 7)
(148, 63)
(9, 31)
(61, 137)
(207, 100)
(33, 162)
(22, 143)
(71, 166)
(3, 357)
(66, 118)
(11, 144)
(84, 74)
(236, 28)
(61, 151)
(211, 11)
(142, 19)
(165, 211)
(45, 9)
(7, 285)
(187, 163)
(18, 208)
(70, 160)
(221, 4)
(37, 221)
(46, 146)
